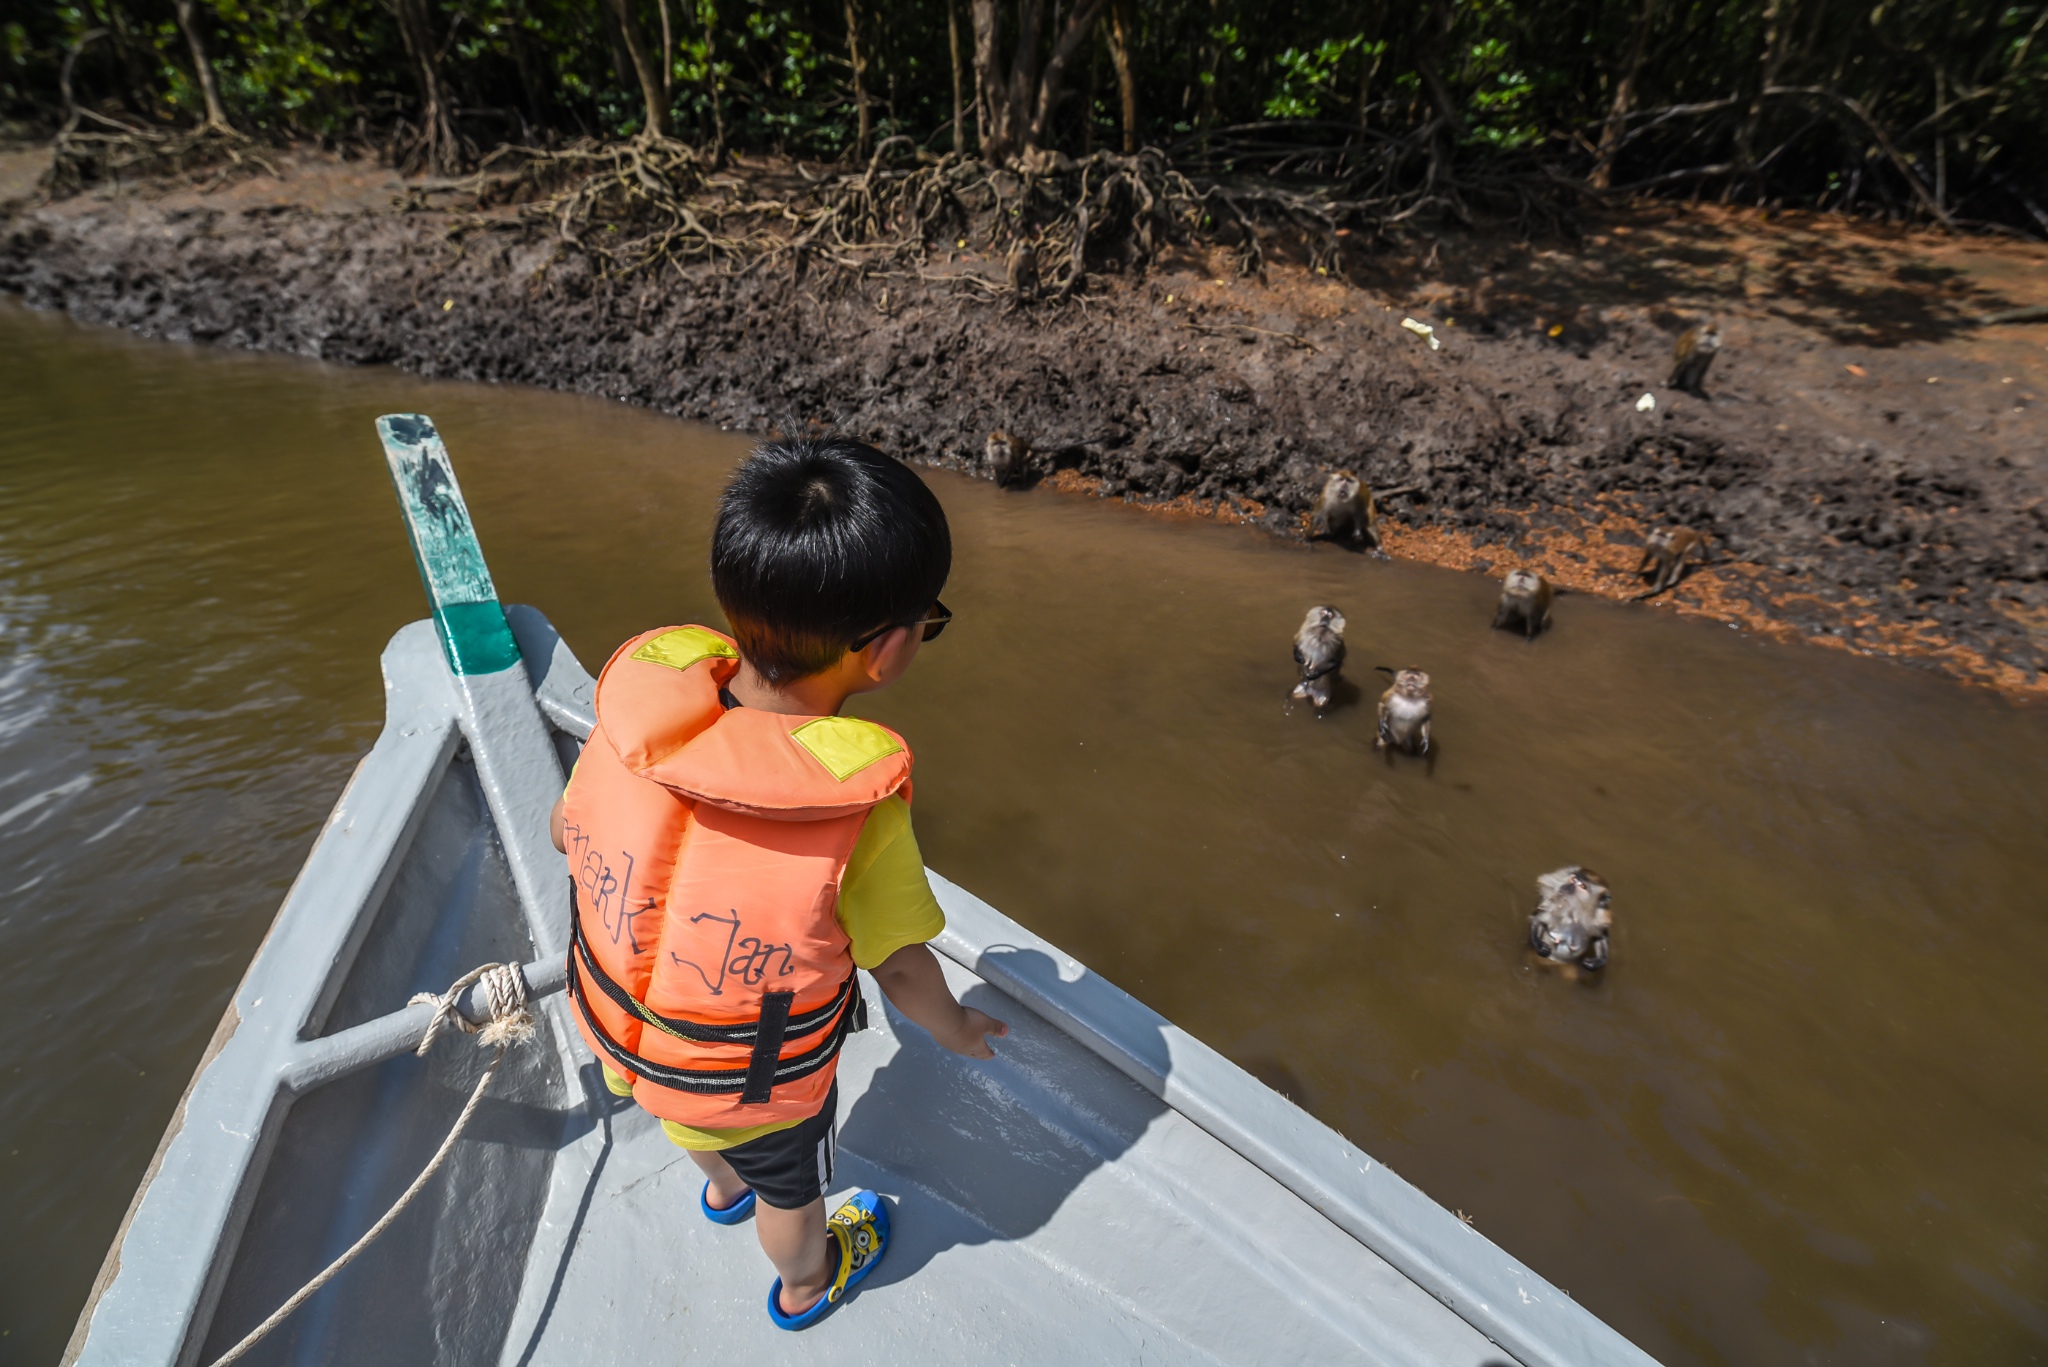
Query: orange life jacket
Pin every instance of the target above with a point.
(707, 962)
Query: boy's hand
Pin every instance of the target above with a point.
(972, 1038)
(911, 978)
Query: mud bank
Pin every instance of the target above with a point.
(1871, 471)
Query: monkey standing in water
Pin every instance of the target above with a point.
(1664, 558)
(1571, 920)
(1319, 651)
(1524, 603)
(1690, 357)
(1344, 513)
(1009, 458)
(1404, 712)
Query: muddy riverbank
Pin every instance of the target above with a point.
(1868, 464)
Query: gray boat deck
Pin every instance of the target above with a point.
(1046, 1209)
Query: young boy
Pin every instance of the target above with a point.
(738, 848)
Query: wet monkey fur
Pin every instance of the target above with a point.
(1009, 458)
(1344, 513)
(1524, 603)
(1319, 653)
(1404, 712)
(1571, 921)
(1665, 555)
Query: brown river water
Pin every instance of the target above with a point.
(1803, 1117)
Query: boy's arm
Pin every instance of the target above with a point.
(555, 824)
(911, 979)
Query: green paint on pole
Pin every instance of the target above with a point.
(474, 634)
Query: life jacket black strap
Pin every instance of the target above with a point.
(746, 1032)
(718, 1081)
(766, 1069)
(767, 1047)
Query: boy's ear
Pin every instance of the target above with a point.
(881, 655)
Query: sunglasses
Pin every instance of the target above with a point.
(933, 625)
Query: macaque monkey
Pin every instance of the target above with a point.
(1404, 712)
(1344, 513)
(1665, 555)
(1691, 356)
(1571, 920)
(1009, 458)
(1524, 603)
(1023, 272)
(1319, 651)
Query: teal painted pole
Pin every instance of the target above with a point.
(474, 635)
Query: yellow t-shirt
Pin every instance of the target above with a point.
(885, 903)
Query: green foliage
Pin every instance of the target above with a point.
(1960, 87)
(1308, 77)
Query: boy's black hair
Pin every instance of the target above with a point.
(821, 540)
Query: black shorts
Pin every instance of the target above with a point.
(791, 1168)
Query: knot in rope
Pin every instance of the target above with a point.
(504, 990)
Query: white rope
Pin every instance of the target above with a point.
(510, 1023)
(505, 1004)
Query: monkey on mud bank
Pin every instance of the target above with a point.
(1691, 355)
(1319, 651)
(1665, 556)
(1344, 513)
(1022, 269)
(1571, 920)
(1524, 603)
(1404, 712)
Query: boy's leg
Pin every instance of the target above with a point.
(726, 1185)
(794, 1241)
(789, 1172)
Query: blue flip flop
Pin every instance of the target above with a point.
(732, 1214)
(860, 1236)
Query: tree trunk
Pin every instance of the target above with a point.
(668, 52)
(707, 17)
(439, 151)
(1436, 38)
(1122, 33)
(216, 117)
(1020, 102)
(860, 71)
(1624, 100)
(1940, 144)
(1370, 55)
(643, 68)
(1212, 66)
(991, 102)
(1072, 36)
(1776, 30)
(959, 93)
(1088, 97)
(65, 90)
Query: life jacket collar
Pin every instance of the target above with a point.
(657, 703)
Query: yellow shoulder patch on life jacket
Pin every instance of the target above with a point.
(683, 647)
(845, 745)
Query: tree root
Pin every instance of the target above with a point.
(653, 202)
(129, 152)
